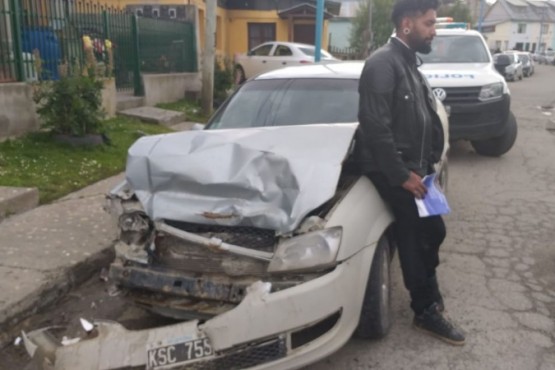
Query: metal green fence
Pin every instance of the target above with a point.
(43, 39)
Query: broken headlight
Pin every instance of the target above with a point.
(135, 227)
(308, 251)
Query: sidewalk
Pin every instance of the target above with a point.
(47, 251)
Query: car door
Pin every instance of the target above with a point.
(257, 59)
(281, 57)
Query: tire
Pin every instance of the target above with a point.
(239, 75)
(375, 316)
(498, 146)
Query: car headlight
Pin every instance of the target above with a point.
(307, 252)
(492, 91)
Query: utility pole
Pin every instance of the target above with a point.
(370, 32)
(481, 19)
(319, 26)
(208, 57)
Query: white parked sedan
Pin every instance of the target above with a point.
(274, 55)
(256, 233)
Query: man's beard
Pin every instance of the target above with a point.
(424, 47)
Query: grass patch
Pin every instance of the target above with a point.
(191, 109)
(58, 169)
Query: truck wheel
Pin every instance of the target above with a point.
(239, 75)
(375, 317)
(498, 146)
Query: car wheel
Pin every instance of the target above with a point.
(239, 75)
(375, 316)
(498, 146)
(520, 77)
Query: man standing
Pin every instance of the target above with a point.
(399, 139)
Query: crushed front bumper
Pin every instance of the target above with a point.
(286, 329)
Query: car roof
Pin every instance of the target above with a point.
(456, 31)
(339, 70)
(294, 44)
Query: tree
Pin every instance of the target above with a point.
(458, 10)
(382, 27)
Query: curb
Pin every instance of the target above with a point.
(12, 319)
(15, 200)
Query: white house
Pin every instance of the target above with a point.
(339, 27)
(520, 24)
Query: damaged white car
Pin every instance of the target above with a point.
(255, 232)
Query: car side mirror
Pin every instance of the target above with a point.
(250, 53)
(197, 127)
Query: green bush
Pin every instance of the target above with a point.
(71, 105)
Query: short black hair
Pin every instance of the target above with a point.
(404, 8)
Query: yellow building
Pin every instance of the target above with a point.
(242, 24)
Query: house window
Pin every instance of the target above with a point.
(506, 45)
(139, 12)
(497, 45)
(155, 13)
(260, 33)
(545, 28)
(521, 28)
(172, 13)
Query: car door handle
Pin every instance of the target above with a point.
(284, 63)
(263, 61)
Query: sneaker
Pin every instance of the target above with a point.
(431, 321)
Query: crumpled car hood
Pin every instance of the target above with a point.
(267, 177)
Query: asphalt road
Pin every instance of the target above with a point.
(497, 267)
(497, 272)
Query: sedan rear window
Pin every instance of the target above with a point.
(285, 102)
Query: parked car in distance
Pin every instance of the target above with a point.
(274, 55)
(549, 57)
(508, 65)
(527, 63)
(269, 245)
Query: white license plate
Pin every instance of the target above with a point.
(178, 353)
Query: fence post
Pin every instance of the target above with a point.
(105, 25)
(16, 39)
(137, 86)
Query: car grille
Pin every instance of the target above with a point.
(245, 357)
(249, 237)
(461, 94)
(178, 254)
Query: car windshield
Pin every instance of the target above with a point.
(310, 52)
(285, 102)
(457, 49)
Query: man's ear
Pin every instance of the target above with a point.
(407, 22)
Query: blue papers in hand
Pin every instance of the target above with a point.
(435, 202)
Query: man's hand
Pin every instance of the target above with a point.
(415, 186)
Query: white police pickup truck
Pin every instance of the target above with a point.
(461, 73)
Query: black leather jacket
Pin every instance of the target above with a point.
(399, 129)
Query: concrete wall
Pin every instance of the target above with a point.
(17, 110)
(167, 88)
